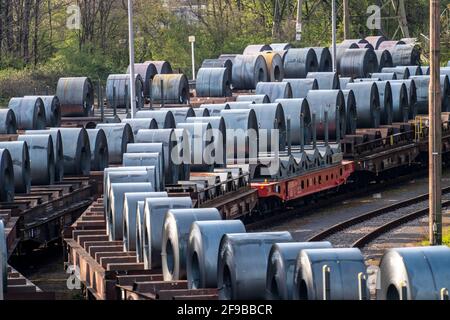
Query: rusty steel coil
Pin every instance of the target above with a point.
(118, 90)
(350, 111)
(174, 89)
(52, 108)
(118, 136)
(326, 80)
(21, 165)
(274, 64)
(299, 62)
(162, 67)
(137, 124)
(29, 112)
(294, 109)
(7, 186)
(275, 90)
(248, 70)
(8, 122)
(147, 72)
(384, 59)
(367, 103)
(99, 149)
(213, 82)
(76, 96)
(358, 63)
(164, 118)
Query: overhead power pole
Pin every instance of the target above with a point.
(298, 24)
(132, 94)
(333, 33)
(435, 142)
(346, 20)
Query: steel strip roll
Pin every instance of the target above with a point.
(326, 80)
(294, 109)
(358, 63)
(333, 102)
(275, 90)
(141, 123)
(254, 98)
(164, 118)
(385, 92)
(8, 122)
(389, 44)
(118, 135)
(400, 103)
(299, 62)
(151, 148)
(343, 81)
(146, 71)
(175, 238)
(42, 159)
(375, 41)
(121, 83)
(367, 104)
(201, 138)
(270, 117)
(241, 125)
(401, 73)
(219, 130)
(58, 150)
(215, 109)
(213, 82)
(99, 149)
(76, 96)
(351, 41)
(3, 261)
(301, 87)
(384, 59)
(230, 56)
(340, 50)
(256, 48)
(168, 139)
(52, 108)
(139, 231)
(248, 70)
(201, 112)
(7, 189)
(155, 211)
(425, 70)
(275, 66)
(162, 67)
(280, 46)
(21, 165)
(240, 105)
(281, 267)
(29, 112)
(175, 88)
(130, 212)
(350, 111)
(344, 264)
(423, 270)
(412, 96)
(385, 76)
(181, 114)
(116, 202)
(203, 249)
(77, 151)
(242, 276)
(422, 84)
(219, 63)
(324, 59)
(146, 160)
(365, 46)
(405, 55)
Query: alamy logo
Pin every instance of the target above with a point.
(374, 20)
(73, 282)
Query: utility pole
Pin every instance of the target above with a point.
(346, 20)
(298, 24)
(333, 18)
(132, 94)
(435, 135)
(192, 41)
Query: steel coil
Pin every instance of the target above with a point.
(155, 211)
(333, 102)
(326, 80)
(340, 50)
(299, 62)
(215, 109)
(3, 261)
(52, 109)
(164, 118)
(229, 56)
(151, 148)
(171, 160)
(367, 104)
(389, 44)
(248, 70)
(412, 96)
(301, 87)
(203, 248)
(280, 46)
(58, 150)
(175, 88)
(21, 165)
(405, 55)
(116, 202)
(163, 67)
(343, 81)
(401, 73)
(256, 48)
(181, 114)
(425, 70)
(345, 266)
(147, 72)
(254, 98)
(358, 63)
(201, 112)
(42, 159)
(201, 138)
(213, 82)
(240, 275)
(270, 117)
(240, 105)
(29, 112)
(375, 41)
(294, 109)
(421, 273)
(399, 102)
(385, 92)
(384, 59)
(351, 41)
(281, 266)
(175, 238)
(365, 46)
(8, 122)
(141, 123)
(274, 64)
(99, 149)
(422, 84)
(275, 90)
(386, 76)
(147, 160)
(7, 189)
(324, 59)
(219, 63)
(350, 111)
(118, 136)
(76, 96)
(118, 90)
(130, 212)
